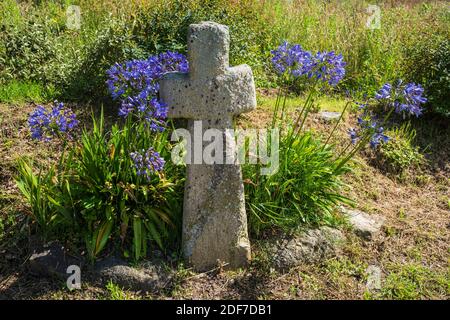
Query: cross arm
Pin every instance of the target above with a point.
(173, 89)
(238, 85)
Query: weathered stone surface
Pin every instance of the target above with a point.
(329, 116)
(52, 260)
(364, 225)
(214, 218)
(312, 246)
(146, 277)
(373, 278)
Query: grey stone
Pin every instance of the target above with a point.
(329, 116)
(147, 276)
(373, 278)
(52, 260)
(364, 225)
(214, 218)
(312, 246)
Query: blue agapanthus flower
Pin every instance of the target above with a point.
(384, 92)
(153, 111)
(378, 137)
(147, 162)
(45, 124)
(295, 61)
(291, 59)
(404, 98)
(327, 67)
(140, 77)
(368, 126)
(135, 83)
(353, 133)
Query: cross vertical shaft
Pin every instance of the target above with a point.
(214, 218)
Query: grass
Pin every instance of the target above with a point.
(414, 281)
(115, 292)
(324, 103)
(17, 92)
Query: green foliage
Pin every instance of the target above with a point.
(38, 190)
(303, 186)
(411, 281)
(304, 191)
(26, 52)
(109, 197)
(399, 154)
(430, 64)
(116, 293)
(36, 45)
(85, 74)
(94, 194)
(19, 92)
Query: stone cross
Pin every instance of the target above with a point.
(214, 218)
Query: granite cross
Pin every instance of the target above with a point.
(214, 218)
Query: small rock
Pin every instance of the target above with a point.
(312, 246)
(329, 116)
(364, 225)
(373, 278)
(146, 277)
(52, 260)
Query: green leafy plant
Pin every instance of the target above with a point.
(429, 64)
(305, 188)
(39, 190)
(399, 154)
(108, 199)
(94, 194)
(304, 191)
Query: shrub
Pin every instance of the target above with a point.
(399, 154)
(306, 187)
(96, 193)
(26, 52)
(430, 64)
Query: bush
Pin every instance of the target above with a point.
(430, 64)
(108, 197)
(399, 154)
(26, 52)
(305, 188)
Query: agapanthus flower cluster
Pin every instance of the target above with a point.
(291, 59)
(153, 111)
(328, 67)
(135, 83)
(147, 162)
(368, 125)
(46, 124)
(296, 62)
(140, 77)
(404, 98)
